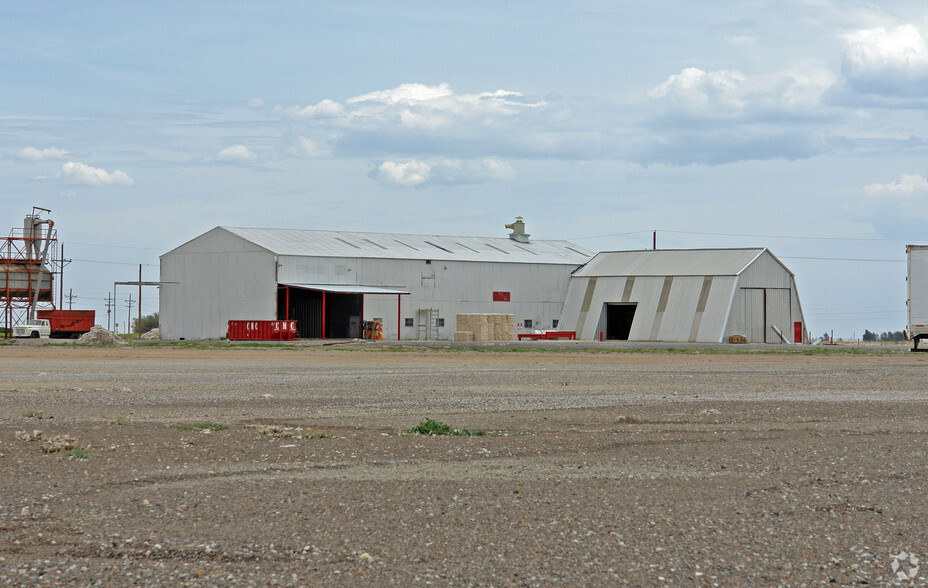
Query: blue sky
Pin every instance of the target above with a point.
(799, 126)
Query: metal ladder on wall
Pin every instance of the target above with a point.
(428, 324)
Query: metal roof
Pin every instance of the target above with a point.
(346, 288)
(300, 242)
(671, 262)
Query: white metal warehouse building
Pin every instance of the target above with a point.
(694, 295)
(332, 281)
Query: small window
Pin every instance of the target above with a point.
(527, 323)
(410, 323)
(439, 322)
(554, 324)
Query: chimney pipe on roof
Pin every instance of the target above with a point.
(518, 231)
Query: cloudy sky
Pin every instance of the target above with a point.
(795, 125)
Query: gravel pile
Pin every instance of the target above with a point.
(152, 334)
(99, 335)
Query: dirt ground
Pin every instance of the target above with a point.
(597, 467)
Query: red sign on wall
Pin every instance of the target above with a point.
(500, 296)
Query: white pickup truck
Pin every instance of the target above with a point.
(34, 328)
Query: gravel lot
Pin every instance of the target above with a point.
(598, 466)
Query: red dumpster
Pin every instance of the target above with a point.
(240, 330)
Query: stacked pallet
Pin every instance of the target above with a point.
(485, 327)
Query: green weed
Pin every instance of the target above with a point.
(433, 427)
(77, 453)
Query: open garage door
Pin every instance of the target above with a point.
(327, 311)
(619, 318)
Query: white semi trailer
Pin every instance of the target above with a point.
(917, 282)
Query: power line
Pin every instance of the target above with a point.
(876, 312)
(115, 246)
(788, 236)
(113, 262)
(706, 233)
(843, 259)
(613, 235)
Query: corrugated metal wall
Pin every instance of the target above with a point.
(687, 307)
(537, 291)
(222, 276)
(218, 278)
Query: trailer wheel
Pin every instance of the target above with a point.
(35, 334)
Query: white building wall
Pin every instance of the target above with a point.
(728, 304)
(211, 280)
(718, 310)
(797, 314)
(572, 311)
(765, 272)
(736, 323)
(646, 293)
(678, 317)
(778, 304)
(537, 291)
(607, 289)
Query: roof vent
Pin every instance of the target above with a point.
(518, 231)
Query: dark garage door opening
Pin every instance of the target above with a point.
(619, 319)
(342, 313)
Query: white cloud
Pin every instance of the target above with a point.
(730, 92)
(81, 173)
(236, 153)
(256, 103)
(443, 171)
(435, 107)
(887, 61)
(416, 106)
(716, 117)
(308, 148)
(325, 109)
(410, 173)
(406, 94)
(896, 208)
(907, 185)
(34, 154)
(403, 123)
(697, 88)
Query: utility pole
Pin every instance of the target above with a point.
(129, 302)
(63, 262)
(110, 303)
(71, 297)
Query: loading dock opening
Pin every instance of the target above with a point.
(329, 311)
(619, 317)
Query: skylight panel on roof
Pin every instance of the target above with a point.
(439, 247)
(377, 244)
(575, 251)
(497, 248)
(524, 249)
(405, 244)
(466, 247)
(347, 242)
